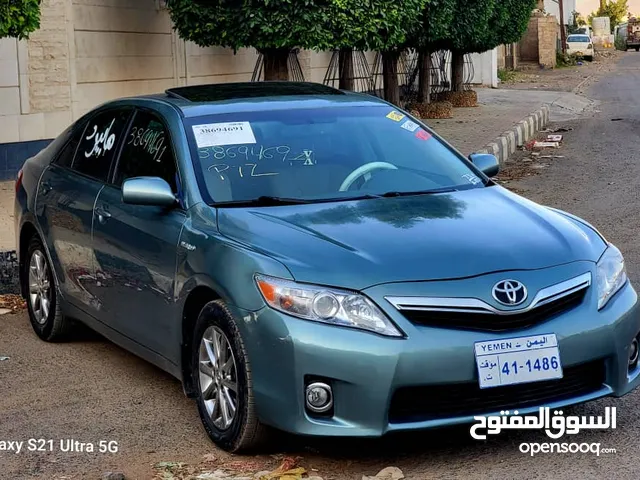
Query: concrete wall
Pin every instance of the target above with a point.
(90, 51)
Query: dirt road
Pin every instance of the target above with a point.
(90, 390)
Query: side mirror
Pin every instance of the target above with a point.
(152, 191)
(486, 162)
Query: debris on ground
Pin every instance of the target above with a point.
(4, 359)
(389, 473)
(13, 303)
(535, 156)
(237, 470)
(556, 130)
(286, 471)
(210, 458)
(546, 144)
(113, 476)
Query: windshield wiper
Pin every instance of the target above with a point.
(419, 192)
(263, 201)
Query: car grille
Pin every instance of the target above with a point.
(492, 322)
(414, 404)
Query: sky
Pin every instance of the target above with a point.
(585, 7)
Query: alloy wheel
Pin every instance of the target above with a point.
(39, 287)
(218, 377)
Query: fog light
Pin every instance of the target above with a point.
(633, 353)
(319, 397)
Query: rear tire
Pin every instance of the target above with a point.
(43, 302)
(637, 49)
(221, 370)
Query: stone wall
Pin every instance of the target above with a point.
(529, 42)
(540, 42)
(547, 41)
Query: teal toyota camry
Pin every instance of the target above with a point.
(319, 262)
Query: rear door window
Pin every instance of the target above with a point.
(66, 153)
(147, 151)
(99, 143)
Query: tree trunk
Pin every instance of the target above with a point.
(424, 77)
(390, 77)
(457, 71)
(276, 65)
(346, 69)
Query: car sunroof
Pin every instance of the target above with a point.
(232, 91)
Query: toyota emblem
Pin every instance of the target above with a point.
(509, 292)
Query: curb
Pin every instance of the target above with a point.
(581, 84)
(9, 278)
(507, 143)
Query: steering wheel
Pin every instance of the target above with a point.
(363, 171)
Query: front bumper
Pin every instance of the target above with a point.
(366, 369)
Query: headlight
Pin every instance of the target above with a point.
(326, 305)
(611, 274)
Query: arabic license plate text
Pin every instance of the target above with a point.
(518, 360)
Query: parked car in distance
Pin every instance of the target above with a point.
(580, 45)
(319, 262)
(632, 34)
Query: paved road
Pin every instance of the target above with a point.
(90, 390)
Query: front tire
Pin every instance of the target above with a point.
(43, 303)
(222, 374)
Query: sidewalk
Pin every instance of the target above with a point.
(500, 110)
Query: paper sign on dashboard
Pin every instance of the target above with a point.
(228, 133)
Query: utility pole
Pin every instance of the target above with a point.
(563, 37)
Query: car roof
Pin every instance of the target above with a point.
(198, 100)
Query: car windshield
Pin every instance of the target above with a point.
(578, 39)
(322, 154)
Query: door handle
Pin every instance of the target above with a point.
(45, 187)
(103, 214)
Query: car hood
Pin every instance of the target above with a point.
(358, 244)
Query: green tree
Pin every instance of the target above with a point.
(428, 37)
(274, 27)
(482, 25)
(18, 18)
(379, 25)
(616, 10)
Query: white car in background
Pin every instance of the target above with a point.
(580, 45)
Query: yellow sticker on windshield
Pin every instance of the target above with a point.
(395, 116)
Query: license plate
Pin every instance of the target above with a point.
(518, 360)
